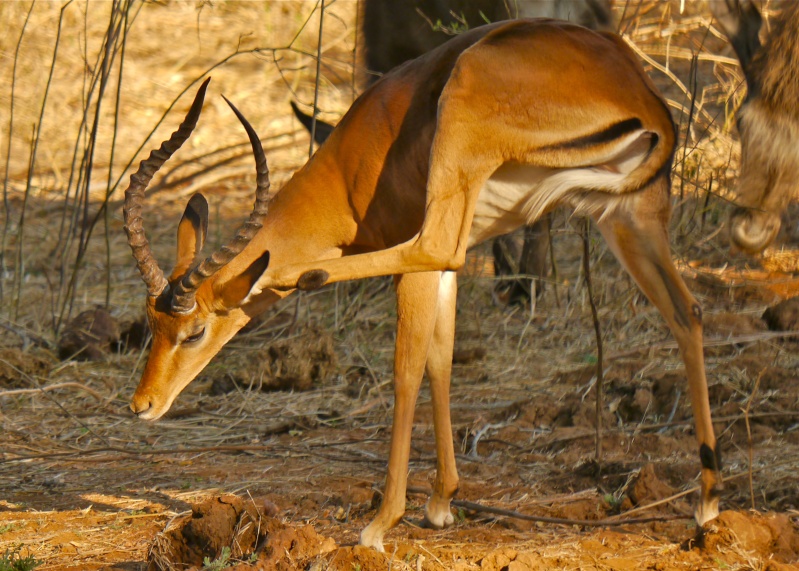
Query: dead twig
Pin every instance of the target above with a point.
(598, 334)
(749, 443)
(26, 336)
(68, 385)
(733, 340)
(316, 79)
(563, 521)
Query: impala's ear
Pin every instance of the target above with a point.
(323, 129)
(192, 230)
(235, 290)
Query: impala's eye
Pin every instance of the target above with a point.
(195, 337)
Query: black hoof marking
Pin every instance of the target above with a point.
(711, 459)
(313, 279)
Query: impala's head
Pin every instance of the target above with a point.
(195, 311)
(768, 120)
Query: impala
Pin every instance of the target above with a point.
(484, 134)
(395, 31)
(768, 120)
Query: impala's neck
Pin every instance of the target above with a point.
(348, 197)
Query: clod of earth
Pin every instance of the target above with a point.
(783, 316)
(301, 363)
(725, 324)
(754, 532)
(135, 335)
(18, 366)
(467, 356)
(238, 531)
(89, 336)
(648, 488)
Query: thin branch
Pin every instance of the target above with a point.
(67, 385)
(749, 443)
(565, 521)
(6, 203)
(316, 80)
(600, 371)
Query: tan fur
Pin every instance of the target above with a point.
(768, 120)
(496, 126)
(770, 156)
(776, 65)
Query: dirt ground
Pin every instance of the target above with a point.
(274, 458)
(86, 486)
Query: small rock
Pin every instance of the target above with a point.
(783, 316)
(301, 363)
(648, 488)
(89, 336)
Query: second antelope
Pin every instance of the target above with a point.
(768, 120)
(480, 136)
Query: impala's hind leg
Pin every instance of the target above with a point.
(636, 232)
(439, 372)
(417, 299)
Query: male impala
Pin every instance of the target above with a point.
(768, 120)
(477, 137)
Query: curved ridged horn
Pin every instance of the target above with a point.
(184, 290)
(134, 197)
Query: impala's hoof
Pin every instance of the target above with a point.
(708, 510)
(313, 279)
(438, 521)
(372, 538)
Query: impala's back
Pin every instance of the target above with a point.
(571, 78)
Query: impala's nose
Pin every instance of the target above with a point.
(140, 406)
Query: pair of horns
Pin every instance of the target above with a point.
(184, 290)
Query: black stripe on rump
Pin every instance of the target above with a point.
(605, 136)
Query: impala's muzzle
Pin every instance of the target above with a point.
(146, 406)
(141, 407)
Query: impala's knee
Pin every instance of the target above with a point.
(691, 317)
(436, 255)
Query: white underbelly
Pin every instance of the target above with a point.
(502, 203)
(518, 194)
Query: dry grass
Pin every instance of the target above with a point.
(66, 450)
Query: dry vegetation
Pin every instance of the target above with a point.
(85, 486)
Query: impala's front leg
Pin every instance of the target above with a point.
(636, 232)
(439, 371)
(457, 174)
(417, 298)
